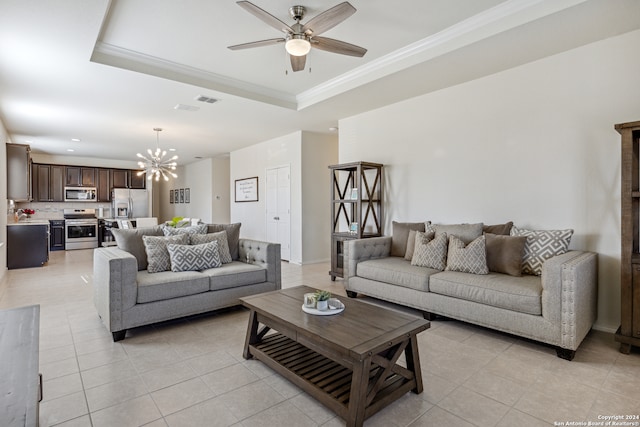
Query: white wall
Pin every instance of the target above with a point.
(205, 179)
(3, 218)
(308, 156)
(534, 144)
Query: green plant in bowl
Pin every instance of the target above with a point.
(322, 295)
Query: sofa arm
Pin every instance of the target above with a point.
(569, 294)
(265, 254)
(114, 285)
(357, 250)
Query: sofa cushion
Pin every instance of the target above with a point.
(194, 229)
(400, 235)
(465, 232)
(131, 241)
(504, 253)
(220, 237)
(521, 294)
(233, 236)
(235, 274)
(167, 284)
(430, 252)
(194, 257)
(502, 229)
(396, 271)
(157, 252)
(541, 245)
(471, 258)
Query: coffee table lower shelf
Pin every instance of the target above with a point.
(324, 379)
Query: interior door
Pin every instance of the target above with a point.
(279, 209)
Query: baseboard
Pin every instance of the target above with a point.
(316, 261)
(603, 328)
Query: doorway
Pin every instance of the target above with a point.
(279, 209)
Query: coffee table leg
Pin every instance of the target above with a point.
(413, 363)
(252, 334)
(358, 396)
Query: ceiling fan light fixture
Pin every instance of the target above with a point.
(297, 45)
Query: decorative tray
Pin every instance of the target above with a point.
(335, 307)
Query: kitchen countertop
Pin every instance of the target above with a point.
(30, 222)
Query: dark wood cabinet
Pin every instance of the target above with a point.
(356, 207)
(103, 185)
(56, 235)
(137, 182)
(48, 183)
(628, 333)
(19, 172)
(79, 176)
(120, 178)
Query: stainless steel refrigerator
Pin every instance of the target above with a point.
(128, 204)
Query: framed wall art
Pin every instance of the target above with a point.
(182, 195)
(247, 189)
(187, 195)
(176, 196)
(170, 196)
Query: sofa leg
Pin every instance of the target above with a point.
(429, 316)
(118, 336)
(352, 294)
(565, 354)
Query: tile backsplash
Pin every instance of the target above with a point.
(54, 210)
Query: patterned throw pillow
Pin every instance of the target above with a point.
(430, 251)
(220, 237)
(541, 245)
(467, 259)
(157, 253)
(194, 229)
(194, 257)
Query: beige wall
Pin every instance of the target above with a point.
(3, 218)
(534, 145)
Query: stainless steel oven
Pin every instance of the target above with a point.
(80, 229)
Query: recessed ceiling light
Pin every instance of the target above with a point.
(28, 141)
(333, 128)
(172, 149)
(76, 139)
(186, 107)
(71, 150)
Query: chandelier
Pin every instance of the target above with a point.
(156, 165)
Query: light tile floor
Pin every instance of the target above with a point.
(191, 372)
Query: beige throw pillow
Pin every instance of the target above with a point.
(430, 251)
(541, 245)
(504, 253)
(400, 236)
(471, 258)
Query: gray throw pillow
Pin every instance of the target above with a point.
(504, 253)
(541, 245)
(471, 258)
(430, 251)
(131, 241)
(465, 232)
(233, 236)
(411, 243)
(220, 237)
(194, 229)
(503, 229)
(194, 257)
(157, 252)
(401, 235)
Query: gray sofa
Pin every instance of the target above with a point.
(557, 307)
(126, 296)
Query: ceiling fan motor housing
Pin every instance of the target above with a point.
(297, 12)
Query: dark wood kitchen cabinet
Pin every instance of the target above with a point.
(19, 172)
(120, 178)
(48, 183)
(78, 176)
(27, 245)
(137, 182)
(103, 185)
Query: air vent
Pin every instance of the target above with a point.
(186, 107)
(206, 99)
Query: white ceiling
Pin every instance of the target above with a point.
(108, 72)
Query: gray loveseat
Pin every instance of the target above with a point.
(127, 296)
(557, 307)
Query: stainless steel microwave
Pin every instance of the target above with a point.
(80, 194)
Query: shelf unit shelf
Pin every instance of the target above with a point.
(356, 207)
(629, 332)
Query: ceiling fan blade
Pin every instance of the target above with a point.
(265, 16)
(329, 19)
(297, 62)
(337, 46)
(260, 43)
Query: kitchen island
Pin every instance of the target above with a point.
(27, 243)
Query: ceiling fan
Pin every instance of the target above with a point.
(300, 38)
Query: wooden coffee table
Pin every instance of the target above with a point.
(346, 361)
